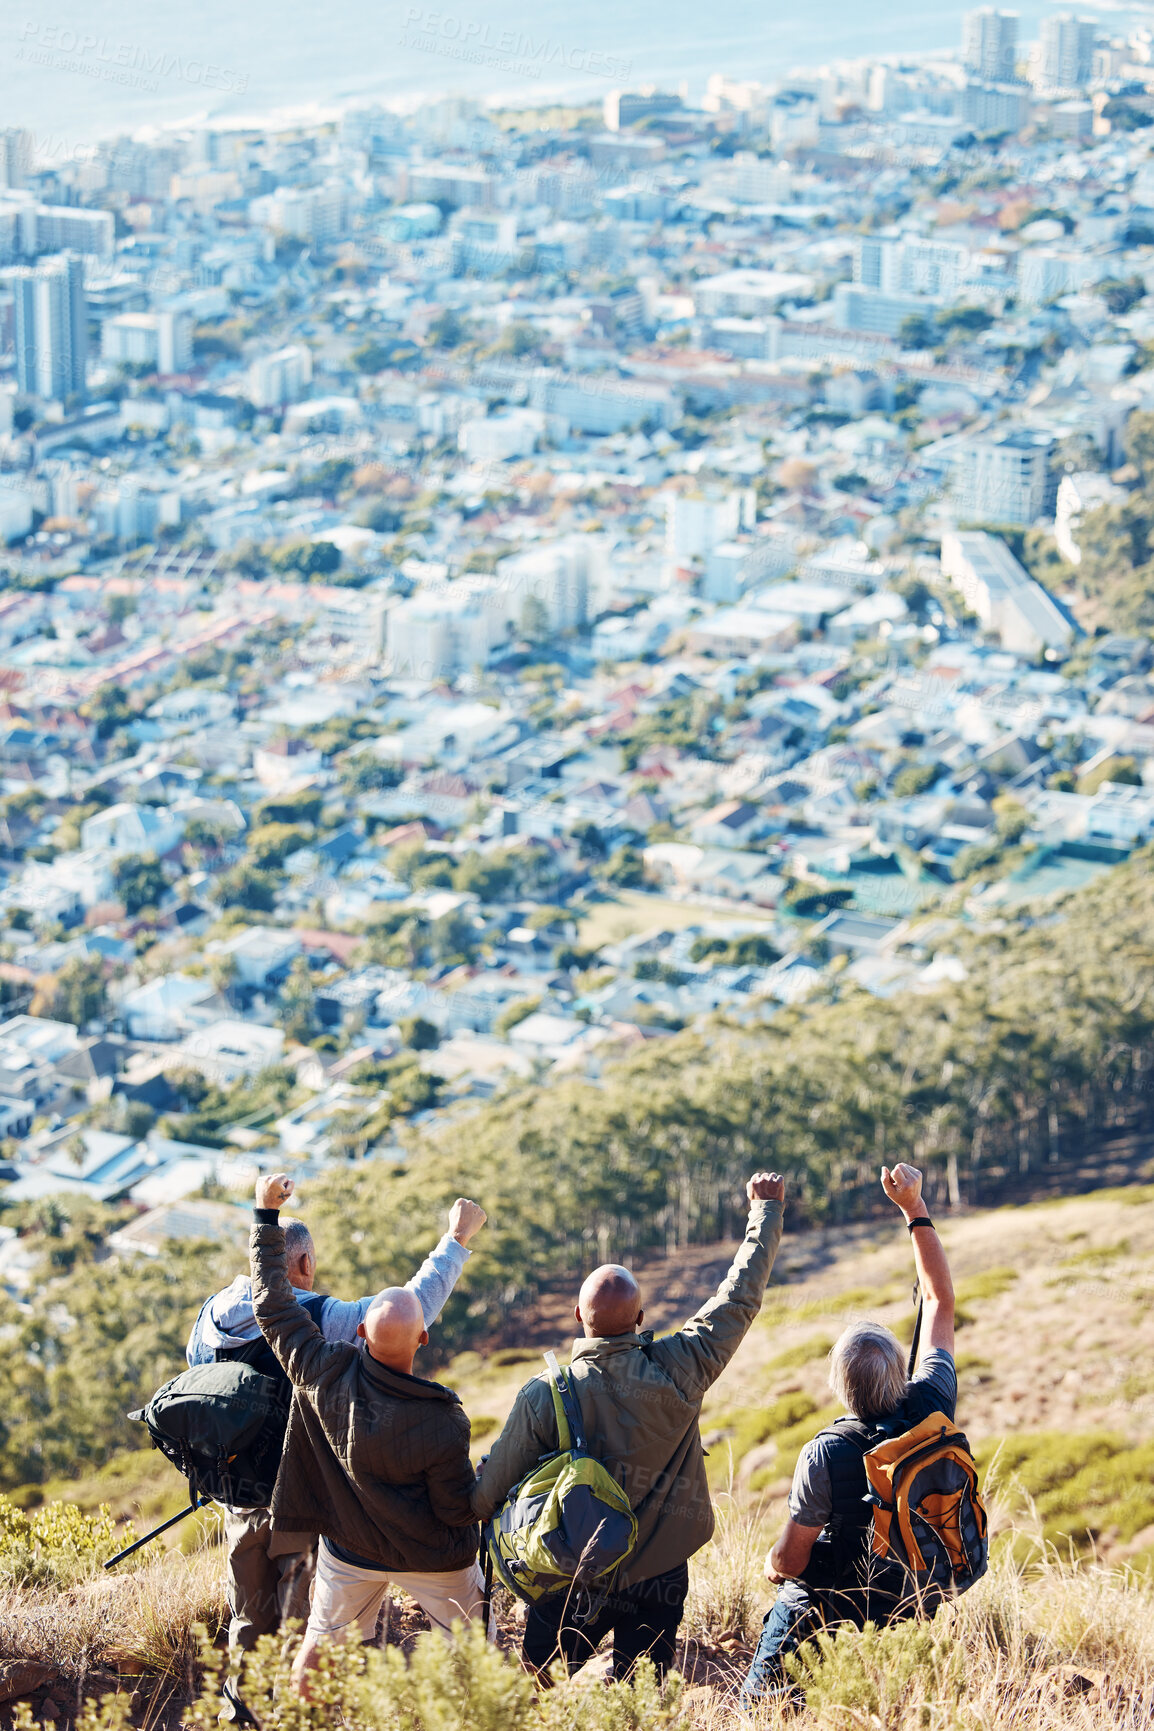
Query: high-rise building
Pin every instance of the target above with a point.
(51, 327)
(1065, 52)
(1005, 478)
(15, 157)
(990, 43)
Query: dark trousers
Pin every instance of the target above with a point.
(799, 1612)
(644, 1618)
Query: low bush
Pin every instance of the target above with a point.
(56, 1544)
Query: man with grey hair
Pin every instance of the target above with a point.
(822, 1560)
(270, 1572)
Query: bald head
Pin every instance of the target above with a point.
(394, 1328)
(609, 1302)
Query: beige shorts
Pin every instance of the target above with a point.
(345, 1595)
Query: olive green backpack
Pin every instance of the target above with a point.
(568, 1524)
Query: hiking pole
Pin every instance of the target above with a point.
(156, 1531)
(487, 1601)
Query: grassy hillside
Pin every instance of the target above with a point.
(1056, 1337)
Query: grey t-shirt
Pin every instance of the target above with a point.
(933, 1389)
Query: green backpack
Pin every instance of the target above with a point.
(568, 1524)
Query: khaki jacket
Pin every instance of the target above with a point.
(374, 1460)
(640, 1401)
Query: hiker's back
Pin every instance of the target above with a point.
(643, 1428)
(831, 1476)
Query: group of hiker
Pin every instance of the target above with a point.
(375, 1486)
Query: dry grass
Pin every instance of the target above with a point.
(141, 1622)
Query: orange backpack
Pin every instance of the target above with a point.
(927, 1507)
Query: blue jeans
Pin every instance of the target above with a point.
(791, 1620)
(800, 1611)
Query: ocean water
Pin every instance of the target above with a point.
(73, 70)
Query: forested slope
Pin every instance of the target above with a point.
(1047, 1043)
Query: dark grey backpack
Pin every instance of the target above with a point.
(221, 1425)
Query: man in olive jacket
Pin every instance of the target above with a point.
(376, 1460)
(640, 1401)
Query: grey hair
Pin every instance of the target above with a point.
(867, 1370)
(298, 1240)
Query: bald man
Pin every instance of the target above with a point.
(376, 1458)
(270, 1574)
(640, 1401)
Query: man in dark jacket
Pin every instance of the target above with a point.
(640, 1400)
(822, 1560)
(376, 1459)
(270, 1574)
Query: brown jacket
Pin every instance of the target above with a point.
(374, 1460)
(640, 1400)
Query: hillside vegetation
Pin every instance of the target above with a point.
(1047, 1042)
(1056, 1311)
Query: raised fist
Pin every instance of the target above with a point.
(766, 1187)
(273, 1189)
(903, 1186)
(466, 1219)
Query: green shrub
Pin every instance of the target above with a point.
(875, 1676)
(56, 1545)
(1082, 1483)
(464, 1685)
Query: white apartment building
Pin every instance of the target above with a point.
(280, 378)
(995, 107)
(496, 438)
(559, 577)
(315, 213)
(30, 229)
(51, 327)
(911, 266)
(747, 293)
(1065, 53)
(697, 522)
(450, 629)
(877, 312)
(990, 42)
(1003, 594)
(1006, 477)
(162, 340)
(760, 180)
(1045, 273)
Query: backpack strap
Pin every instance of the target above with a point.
(570, 1430)
(848, 1482)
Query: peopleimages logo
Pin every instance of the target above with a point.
(130, 63)
(438, 32)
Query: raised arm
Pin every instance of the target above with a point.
(903, 1186)
(698, 1353)
(431, 1284)
(298, 1343)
